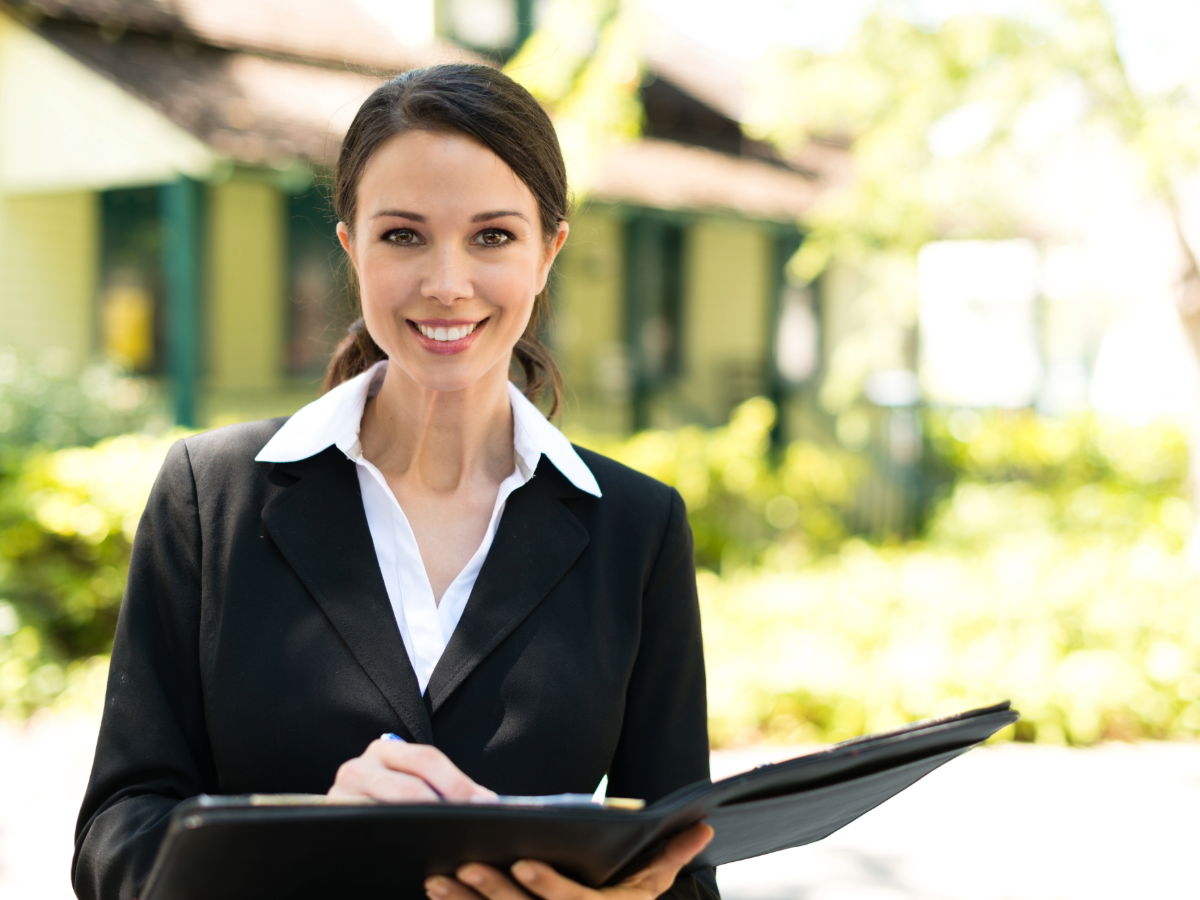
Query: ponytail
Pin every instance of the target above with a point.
(355, 353)
(537, 363)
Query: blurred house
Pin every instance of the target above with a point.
(162, 172)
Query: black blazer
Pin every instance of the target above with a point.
(257, 650)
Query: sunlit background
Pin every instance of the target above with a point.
(904, 298)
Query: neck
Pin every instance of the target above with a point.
(441, 439)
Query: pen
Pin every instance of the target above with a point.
(395, 737)
(566, 800)
(548, 799)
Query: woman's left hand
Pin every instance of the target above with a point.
(538, 880)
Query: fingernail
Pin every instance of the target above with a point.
(437, 887)
(470, 875)
(524, 872)
(392, 737)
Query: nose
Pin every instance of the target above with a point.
(448, 278)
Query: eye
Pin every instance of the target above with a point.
(405, 237)
(493, 237)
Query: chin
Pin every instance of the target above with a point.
(447, 378)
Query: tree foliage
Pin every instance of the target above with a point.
(939, 120)
(584, 64)
(959, 131)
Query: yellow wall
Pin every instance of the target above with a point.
(588, 322)
(65, 127)
(727, 280)
(246, 312)
(48, 252)
(727, 283)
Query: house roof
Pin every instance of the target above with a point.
(260, 96)
(331, 31)
(254, 109)
(714, 78)
(719, 82)
(668, 175)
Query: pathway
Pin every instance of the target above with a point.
(1011, 822)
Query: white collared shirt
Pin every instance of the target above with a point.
(335, 419)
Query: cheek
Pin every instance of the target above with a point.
(384, 285)
(513, 294)
(508, 286)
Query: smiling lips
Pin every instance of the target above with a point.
(444, 337)
(446, 334)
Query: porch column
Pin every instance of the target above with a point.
(180, 206)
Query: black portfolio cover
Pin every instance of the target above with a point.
(299, 847)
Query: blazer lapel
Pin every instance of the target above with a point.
(537, 542)
(319, 525)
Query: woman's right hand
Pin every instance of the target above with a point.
(398, 772)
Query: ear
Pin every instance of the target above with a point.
(343, 234)
(552, 248)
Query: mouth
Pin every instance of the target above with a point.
(443, 336)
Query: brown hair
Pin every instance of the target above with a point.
(490, 107)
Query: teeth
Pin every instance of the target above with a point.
(447, 334)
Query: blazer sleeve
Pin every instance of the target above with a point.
(153, 749)
(664, 737)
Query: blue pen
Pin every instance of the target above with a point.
(395, 737)
(546, 799)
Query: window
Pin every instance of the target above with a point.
(130, 320)
(797, 327)
(654, 307)
(320, 306)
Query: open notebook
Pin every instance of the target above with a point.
(301, 846)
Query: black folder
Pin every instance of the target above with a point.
(301, 846)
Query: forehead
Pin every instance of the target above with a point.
(439, 173)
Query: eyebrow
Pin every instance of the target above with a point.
(399, 214)
(498, 214)
(478, 217)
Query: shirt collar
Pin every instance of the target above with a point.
(535, 436)
(334, 419)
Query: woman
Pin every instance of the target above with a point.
(419, 551)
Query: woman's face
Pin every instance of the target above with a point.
(449, 254)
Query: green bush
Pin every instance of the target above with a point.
(1059, 455)
(1053, 572)
(745, 506)
(67, 519)
(1091, 635)
(64, 540)
(51, 402)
